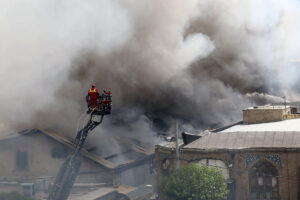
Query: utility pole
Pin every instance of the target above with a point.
(177, 148)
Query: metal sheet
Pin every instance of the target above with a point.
(245, 140)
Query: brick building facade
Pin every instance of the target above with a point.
(257, 165)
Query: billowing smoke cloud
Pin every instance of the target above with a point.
(199, 62)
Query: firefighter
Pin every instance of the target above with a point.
(92, 98)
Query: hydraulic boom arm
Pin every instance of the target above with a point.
(69, 170)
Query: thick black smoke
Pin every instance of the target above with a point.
(196, 62)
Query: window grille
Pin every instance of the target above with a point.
(263, 181)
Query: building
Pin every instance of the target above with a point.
(34, 157)
(269, 113)
(259, 161)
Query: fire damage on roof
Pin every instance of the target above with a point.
(132, 150)
(106, 169)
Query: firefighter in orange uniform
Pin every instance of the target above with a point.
(92, 97)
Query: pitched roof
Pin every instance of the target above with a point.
(94, 157)
(98, 159)
(247, 140)
(6, 136)
(10, 135)
(63, 140)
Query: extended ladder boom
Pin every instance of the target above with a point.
(69, 170)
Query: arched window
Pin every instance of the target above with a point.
(217, 164)
(263, 181)
(165, 166)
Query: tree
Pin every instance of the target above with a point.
(194, 182)
(13, 196)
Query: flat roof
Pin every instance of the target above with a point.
(269, 107)
(285, 125)
(246, 140)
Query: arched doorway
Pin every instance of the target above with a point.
(263, 181)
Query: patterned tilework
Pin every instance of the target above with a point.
(272, 157)
(250, 158)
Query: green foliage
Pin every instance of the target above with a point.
(13, 196)
(194, 182)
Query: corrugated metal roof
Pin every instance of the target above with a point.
(247, 140)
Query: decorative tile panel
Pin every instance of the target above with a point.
(275, 159)
(250, 158)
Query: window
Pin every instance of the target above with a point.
(59, 152)
(263, 181)
(21, 160)
(217, 164)
(165, 165)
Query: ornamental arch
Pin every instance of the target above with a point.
(263, 181)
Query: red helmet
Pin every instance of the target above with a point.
(93, 85)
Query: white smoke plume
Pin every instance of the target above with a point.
(199, 61)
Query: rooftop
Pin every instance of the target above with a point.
(269, 107)
(138, 152)
(285, 125)
(247, 140)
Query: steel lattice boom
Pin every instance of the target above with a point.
(69, 170)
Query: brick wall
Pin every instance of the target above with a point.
(239, 163)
